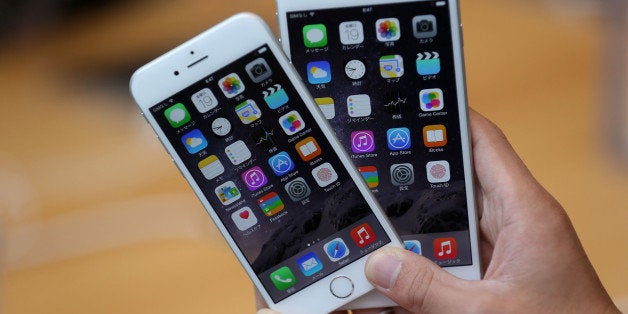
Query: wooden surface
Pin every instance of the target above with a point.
(94, 218)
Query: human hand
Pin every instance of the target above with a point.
(533, 259)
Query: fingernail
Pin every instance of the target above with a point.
(382, 268)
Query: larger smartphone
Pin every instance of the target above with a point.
(389, 77)
(233, 114)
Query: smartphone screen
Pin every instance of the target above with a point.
(383, 76)
(265, 166)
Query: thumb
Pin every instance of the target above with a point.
(417, 284)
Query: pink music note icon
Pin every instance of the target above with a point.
(254, 178)
(442, 248)
(445, 248)
(362, 141)
(363, 235)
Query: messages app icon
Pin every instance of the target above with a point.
(318, 72)
(177, 115)
(315, 36)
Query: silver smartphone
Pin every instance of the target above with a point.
(389, 77)
(235, 118)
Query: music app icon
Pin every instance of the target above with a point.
(362, 141)
(363, 235)
(445, 248)
(254, 178)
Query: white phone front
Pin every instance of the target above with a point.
(389, 77)
(233, 114)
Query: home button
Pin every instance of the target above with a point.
(341, 287)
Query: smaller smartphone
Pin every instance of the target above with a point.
(246, 134)
(389, 77)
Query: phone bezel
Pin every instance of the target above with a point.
(470, 272)
(157, 81)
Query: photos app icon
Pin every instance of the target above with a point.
(388, 29)
(231, 85)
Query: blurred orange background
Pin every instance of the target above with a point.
(95, 218)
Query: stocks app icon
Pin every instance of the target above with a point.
(395, 103)
(264, 137)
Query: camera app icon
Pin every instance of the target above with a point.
(258, 70)
(424, 26)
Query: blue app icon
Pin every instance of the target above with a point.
(281, 163)
(413, 246)
(336, 249)
(275, 96)
(398, 139)
(310, 264)
(319, 72)
(428, 63)
(194, 141)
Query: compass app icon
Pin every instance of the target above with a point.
(336, 249)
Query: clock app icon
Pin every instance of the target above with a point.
(221, 126)
(355, 69)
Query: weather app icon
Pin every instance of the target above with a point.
(319, 72)
(194, 141)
